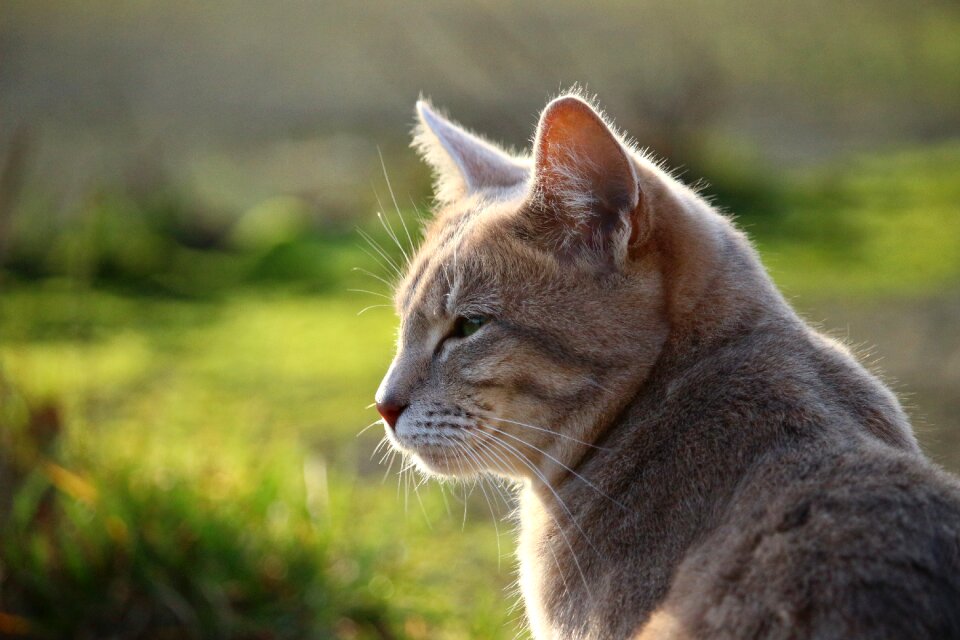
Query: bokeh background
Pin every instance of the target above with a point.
(184, 365)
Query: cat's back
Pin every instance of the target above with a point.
(858, 542)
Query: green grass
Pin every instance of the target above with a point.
(181, 436)
(213, 478)
(872, 226)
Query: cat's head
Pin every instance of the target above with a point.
(537, 300)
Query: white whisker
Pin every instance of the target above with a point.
(560, 501)
(538, 449)
(393, 197)
(380, 250)
(389, 284)
(373, 293)
(374, 306)
(380, 263)
(550, 431)
(480, 468)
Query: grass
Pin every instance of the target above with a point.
(181, 441)
(208, 475)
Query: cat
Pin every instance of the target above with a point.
(696, 461)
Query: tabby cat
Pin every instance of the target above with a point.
(696, 461)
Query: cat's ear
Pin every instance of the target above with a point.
(462, 163)
(586, 185)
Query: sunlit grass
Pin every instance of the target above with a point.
(201, 474)
(871, 226)
(222, 449)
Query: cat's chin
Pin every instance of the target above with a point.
(439, 465)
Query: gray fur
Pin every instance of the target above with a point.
(697, 462)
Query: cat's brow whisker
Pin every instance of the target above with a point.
(373, 293)
(380, 263)
(393, 196)
(382, 259)
(416, 212)
(374, 306)
(389, 284)
(538, 449)
(390, 232)
(380, 250)
(550, 431)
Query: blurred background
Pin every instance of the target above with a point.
(185, 364)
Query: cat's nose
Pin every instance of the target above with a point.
(390, 412)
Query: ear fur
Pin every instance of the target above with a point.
(585, 182)
(462, 162)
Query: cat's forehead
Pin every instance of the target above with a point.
(460, 261)
(438, 279)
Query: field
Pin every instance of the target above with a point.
(183, 443)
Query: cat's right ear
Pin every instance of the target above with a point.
(462, 163)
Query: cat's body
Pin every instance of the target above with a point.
(697, 461)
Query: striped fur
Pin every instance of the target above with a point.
(696, 461)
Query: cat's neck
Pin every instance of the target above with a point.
(715, 289)
(664, 462)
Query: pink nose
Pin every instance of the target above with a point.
(390, 412)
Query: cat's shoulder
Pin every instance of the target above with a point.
(857, 543)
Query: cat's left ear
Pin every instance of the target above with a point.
(586, 185)
(462, 163)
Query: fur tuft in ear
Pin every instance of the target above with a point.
(585, 180)
(462, 162)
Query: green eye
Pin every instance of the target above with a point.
(466, 327)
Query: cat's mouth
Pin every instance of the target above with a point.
(436, 453)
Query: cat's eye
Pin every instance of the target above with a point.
(464, 327)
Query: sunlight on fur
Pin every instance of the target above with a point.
(691, 456)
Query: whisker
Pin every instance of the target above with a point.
(389, 452)
(389, 284)
(387, 267)
(385, 222)
(550, 431)
(536, 448)
(416, 212)
(492, 515)
(379, 249)
(443, 494)
(593, 382)
(362, 431)
(393, 197)
(542, 478)
(459, 458)
(379, 446)
(373, 293)
(423, 510)
(374, 306)
(479, 462)
(560, 530)
(391, 455)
